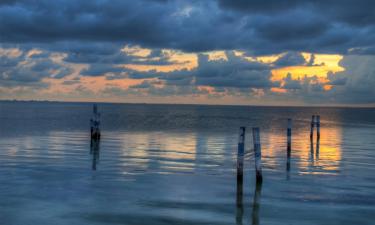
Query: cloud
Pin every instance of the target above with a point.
(23, 69)
(289, 83)
(236, 72)
(290, 59)
(101, 69)
(355, 84)
(262, 27)
(45, 40)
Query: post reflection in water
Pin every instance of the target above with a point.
(256, 203)
(317, 148)
(289, 152)
(239, 201)
(95, 152)
(239, 204)
(288, 168)
(311, 150)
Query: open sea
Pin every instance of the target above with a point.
(176, 164)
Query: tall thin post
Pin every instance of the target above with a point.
(257, 154)
(240, 159)
(312, 128)
(318, 127)
(95, 123)
(289, 144)
(289, 137)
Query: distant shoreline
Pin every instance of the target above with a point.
(189, 104)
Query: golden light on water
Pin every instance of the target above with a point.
(324, 161)
(322, 158)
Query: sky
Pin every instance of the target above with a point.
(247, 52)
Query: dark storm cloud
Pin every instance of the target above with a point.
(259, 6)
(261, 27)
(336, 80)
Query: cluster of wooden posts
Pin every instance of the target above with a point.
(258, 165)
(315, 121)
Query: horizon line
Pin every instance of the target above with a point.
(198, 104)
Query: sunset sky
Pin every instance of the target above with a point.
(291, 52)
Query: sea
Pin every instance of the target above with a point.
(177, 164)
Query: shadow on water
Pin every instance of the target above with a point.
(255, 208)
(317, 149)
(256, 203)
(239, 203)
(95, 152)
(289, 150)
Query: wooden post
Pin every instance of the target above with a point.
(95, 123)
(240, 155)
(240, 159)
(289, 137)
(318, 127)
(289, 144)
(312, 128)
(257, 154)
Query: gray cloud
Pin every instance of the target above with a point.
(290, 59)
(262, 27)
(235, 72)
(93, 33)
(289, 83)
(23, 70)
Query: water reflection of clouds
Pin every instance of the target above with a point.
(166, 152)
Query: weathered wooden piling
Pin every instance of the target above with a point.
(257, 154)
(318, 127)
(240, 159)
(312, 127)
(95, 123)
(289, 144)
(240, 155)
(289, 137)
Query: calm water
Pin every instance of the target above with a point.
(175, 164)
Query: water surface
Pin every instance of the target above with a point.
(176, 164)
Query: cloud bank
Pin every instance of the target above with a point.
(50, 45)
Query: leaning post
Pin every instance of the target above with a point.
(318, 126)
(257, 154)
(312, 128)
